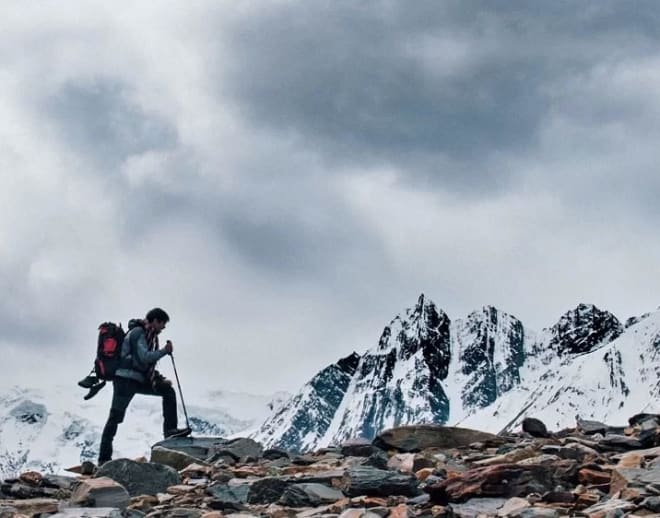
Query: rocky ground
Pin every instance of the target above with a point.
(592, 470)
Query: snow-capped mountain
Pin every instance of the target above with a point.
(50, 430)
(485, 371)
(609, 382)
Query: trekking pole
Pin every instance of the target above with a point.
(183, 403)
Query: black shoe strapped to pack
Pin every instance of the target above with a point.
(93, 390)
(177, 432)
(88, 381)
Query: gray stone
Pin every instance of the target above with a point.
(591, 427)
(184, 512)
(240, 449)
(7, 511)
(173, 458)
(538, 512)
(634, 477)
(620, 441)
(60, 481)
(564, 452)
(642, 419)
(358, 447)
(306, 495)
(419, 437)
(229, 497)
(267, 490)
(614, 504)
(88, 512)
(377, 482)
(419, 500)
(534, 427)
(100, 492)
(513, 506)
(140, 478)
(274, 454)
(198, 447)
(478, 506)
(328, 478)
(378, 459)
(652, 503)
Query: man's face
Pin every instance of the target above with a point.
(158, 325)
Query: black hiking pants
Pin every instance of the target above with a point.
(123, 390)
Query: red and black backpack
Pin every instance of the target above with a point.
(108, 350)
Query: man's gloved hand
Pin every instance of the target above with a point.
(168, 347)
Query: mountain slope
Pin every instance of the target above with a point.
(426, 368)
(609, 383)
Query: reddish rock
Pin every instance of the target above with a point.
(423, 474)
(400, 511)
(31, 477)
(593, 478)
(631, 460)
(505, 480)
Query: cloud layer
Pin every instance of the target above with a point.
(284, 177)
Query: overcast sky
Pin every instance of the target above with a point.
(284, 177)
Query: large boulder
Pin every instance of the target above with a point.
(140, 478)
(414, 438)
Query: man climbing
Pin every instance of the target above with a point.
(137, 375)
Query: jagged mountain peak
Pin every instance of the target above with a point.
(349, 363)
(490, 314)
(584, 329)
(420, 326)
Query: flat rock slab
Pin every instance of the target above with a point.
(309, 495)
(140, 478)
(198, 447)
(173, 458)
(478, 506)
(419, 437)
(378, 482)
(610, 505)
(229, 497)
(240, 449)
(32, 506)
(88, 512)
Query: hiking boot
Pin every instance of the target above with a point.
(177, 432)
(93, 390)
(88, 382)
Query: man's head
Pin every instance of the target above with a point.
(157, 318)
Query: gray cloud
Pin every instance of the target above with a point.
(99, 120)
(438, 91)
(285, 177)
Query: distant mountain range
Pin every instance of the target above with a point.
(50, 430)
(487, 371)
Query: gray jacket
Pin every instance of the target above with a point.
(137, 359)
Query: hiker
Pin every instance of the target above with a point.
(136, 374)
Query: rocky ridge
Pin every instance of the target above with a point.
(485, 370)
(592, 470)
